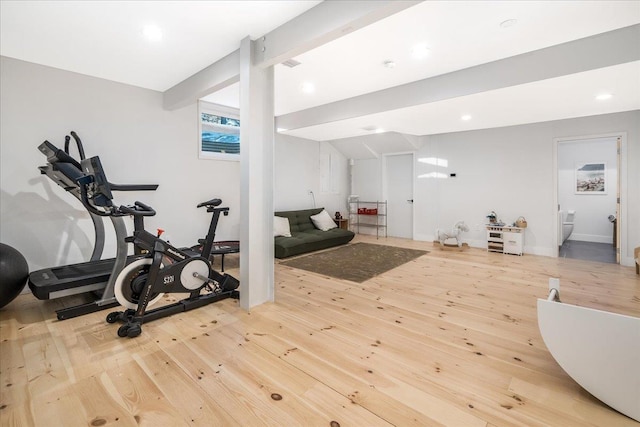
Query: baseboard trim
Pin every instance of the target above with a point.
(594, 238)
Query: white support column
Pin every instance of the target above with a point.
(256, 179)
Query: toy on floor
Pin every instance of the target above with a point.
(458, 228)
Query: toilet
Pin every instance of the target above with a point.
(567, 225)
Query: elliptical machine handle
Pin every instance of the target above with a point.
(139, 209)
(83, 182)
(78, 144)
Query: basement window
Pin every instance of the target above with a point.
(219, 130)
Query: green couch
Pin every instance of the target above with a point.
(305, 237)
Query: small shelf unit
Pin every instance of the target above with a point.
(368, 215)
(505, 240)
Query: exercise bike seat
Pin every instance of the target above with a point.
(211, 203)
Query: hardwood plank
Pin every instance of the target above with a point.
(140, 398)
(357, 365)
(229, 390)
(582, 409)
(336, 377)
(16, 415)
(177, 386)
(268, 374)
(448, 339)
(86, 402)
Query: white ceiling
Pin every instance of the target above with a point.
(460, 34)
(551, 99)
(103, 39)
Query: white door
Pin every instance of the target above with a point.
(399, 190)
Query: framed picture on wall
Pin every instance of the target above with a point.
(591, 178)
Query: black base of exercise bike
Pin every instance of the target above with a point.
(137, 287)
(132, 327)
(87, 308)
(166, 269)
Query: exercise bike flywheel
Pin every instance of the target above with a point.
(130, 282)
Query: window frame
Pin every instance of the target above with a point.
(216, 110)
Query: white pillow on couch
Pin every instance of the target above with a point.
(281, 226)
(323, 221)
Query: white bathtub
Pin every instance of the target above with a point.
(598, 349)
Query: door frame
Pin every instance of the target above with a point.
(622, 223)
(385, 188)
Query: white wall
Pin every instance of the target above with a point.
(367, 184)
(592, 210)
(367, 179)
(301, 166)
(496, 170)
(138, 142)
(510, 170)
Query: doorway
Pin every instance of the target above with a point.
(398, 188)
(588, 198)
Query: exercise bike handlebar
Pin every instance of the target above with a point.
(138, 209)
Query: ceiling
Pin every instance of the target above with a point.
(103, 39)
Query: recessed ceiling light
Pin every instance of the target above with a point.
(465, 117)
(389, 64)
(307, 87)
(508, 23)
(420, 51)
(152, 33)
(604, 96)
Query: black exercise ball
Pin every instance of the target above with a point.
(13, 274)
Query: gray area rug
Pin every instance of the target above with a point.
(355, 262)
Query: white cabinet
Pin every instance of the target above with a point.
(506, 240)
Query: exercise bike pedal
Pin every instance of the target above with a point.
(230, 283)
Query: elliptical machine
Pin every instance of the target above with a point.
(97, 276)
(165, 268)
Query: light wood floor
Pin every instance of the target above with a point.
(448, 339)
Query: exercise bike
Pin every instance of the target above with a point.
(165, 269)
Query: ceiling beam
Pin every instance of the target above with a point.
(321, 24)
(371, 150)
(216, 76)
(590, 53)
